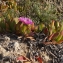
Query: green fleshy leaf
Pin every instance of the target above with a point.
(41, 26)
(16, 20)
(58, 38)
(61, 26)
(57, 26)
(24, 29)
(0, 19)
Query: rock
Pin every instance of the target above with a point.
(16, 46)
(1, 56)
(6, 59)
(45, 57)
(7, 62)
(2, 50)
(7, 38)
(62, 58)
(12, 47)
(6, 53)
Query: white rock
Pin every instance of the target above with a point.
(6, 53)
(16, 46)
(7, 38)
(7, 62)
(45, 56)
(2, 50)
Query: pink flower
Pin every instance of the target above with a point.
(25, 20)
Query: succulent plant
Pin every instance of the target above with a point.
(2, 27)
(45, 19)
(56, 31)
(25, 25)
(41, 26)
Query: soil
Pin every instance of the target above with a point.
(13, 49)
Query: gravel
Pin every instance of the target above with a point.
(12, 46)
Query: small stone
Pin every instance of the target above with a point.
(1, 56)
(16, 46)
(27, 62)
(7, 38)
(6, 53)
(45, 56)
(7, 62)
(19, 38)
(62, 58)
(2, 50)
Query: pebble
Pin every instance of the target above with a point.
(2, 50)
(7, 38)
(16, 46)
(62, 58)
(49, 53)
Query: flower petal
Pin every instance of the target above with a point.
(25, 20)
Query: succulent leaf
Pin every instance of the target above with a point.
(41, 26)
(58, 38)
(57, 26)
(16, 20)
(61, 26)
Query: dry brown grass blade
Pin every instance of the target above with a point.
(53, 42)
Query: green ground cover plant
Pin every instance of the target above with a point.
(28, 17)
